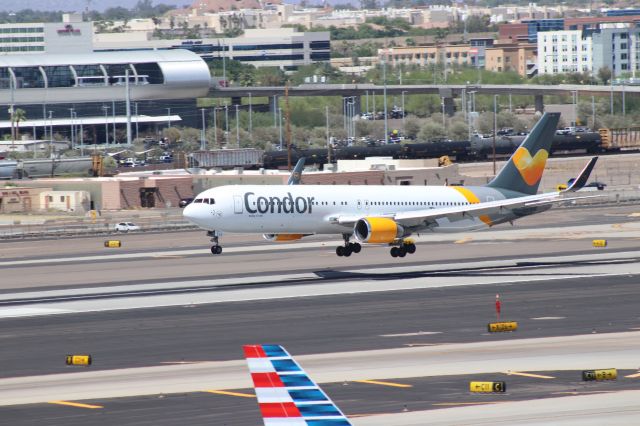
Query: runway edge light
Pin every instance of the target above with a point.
(487, 387)
(599, 243)
(113, 243)
(605, 374)
(496, 327)
(78, 359)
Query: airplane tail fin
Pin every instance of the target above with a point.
(296, 173)
(286, 395)
(523, 171)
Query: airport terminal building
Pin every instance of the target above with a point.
(70, 81)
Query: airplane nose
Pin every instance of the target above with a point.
(189, 213)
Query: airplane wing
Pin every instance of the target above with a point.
(581, 181)
(286, 395)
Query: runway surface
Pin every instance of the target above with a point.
(162, 316)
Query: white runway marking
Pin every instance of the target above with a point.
(419, 333)
(548, 318)
(20, 311)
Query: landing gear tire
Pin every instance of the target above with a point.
(216, 249)
(340, 251)
(411, 248)
(402, 252)
(355, 247)
(347, 251)
(394, 251)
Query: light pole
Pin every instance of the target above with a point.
(280, 125)
(215, 127)
(403, 111)
(386, 124)
(574, 95)
(226, 123)
(137, 118)
(168, 117)
(250, 117)
(593, 112)
(51, 134)
(444, 123)
(71, 128)
(495, 130)
(106, 125)
(326, 111)
(237, 126)
(203, 138)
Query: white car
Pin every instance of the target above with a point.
(126, 227)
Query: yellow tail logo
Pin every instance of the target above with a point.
(530, 168)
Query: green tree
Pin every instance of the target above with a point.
(604, 74)
(431, 131)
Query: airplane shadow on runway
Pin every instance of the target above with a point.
(520, 269)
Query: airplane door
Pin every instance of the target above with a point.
(237, 204)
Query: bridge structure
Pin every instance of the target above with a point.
(447, 92)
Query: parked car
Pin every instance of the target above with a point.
(185, 202)
(126, 227)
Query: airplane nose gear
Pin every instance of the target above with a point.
(215, 248)
(348, 247)
(406, 247)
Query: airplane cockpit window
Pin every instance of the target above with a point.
(198, 200)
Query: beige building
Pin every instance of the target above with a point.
(20, 199)
(65, 201)
(518, 57)
(427, 55)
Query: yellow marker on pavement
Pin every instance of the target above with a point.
(537, 376)
(76, 404)
(221, 392)
(377, 382)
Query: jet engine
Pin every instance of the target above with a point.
(377, 230)
(282, 237)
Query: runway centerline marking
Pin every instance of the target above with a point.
(419, 333)
(76, 404)
(548, 318)
(453, 404)
(221, 392)
(633, 376)
(537, 376)
(377, 382)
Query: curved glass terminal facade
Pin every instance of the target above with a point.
(28, 77)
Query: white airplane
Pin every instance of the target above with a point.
(378, 214)
(286, 394)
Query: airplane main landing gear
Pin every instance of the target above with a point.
(348, 247)
(405, 247)
(215, 248)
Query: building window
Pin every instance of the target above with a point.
(28, 77)
(150, 72)
(59, 76)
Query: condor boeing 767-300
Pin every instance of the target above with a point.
(378, 214)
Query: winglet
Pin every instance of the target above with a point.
(296, 174)
(286, 395)
(579, 182)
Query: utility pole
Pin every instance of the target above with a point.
(137, 119)
(226, 123)
(113, 113)
(71, 129)
(168, 117)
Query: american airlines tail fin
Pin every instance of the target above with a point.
(523, 171)
(286, 395)
(296, 174)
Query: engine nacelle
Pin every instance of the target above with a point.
(282, 237)
(377, 230)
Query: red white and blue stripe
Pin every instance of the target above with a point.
(286, 395)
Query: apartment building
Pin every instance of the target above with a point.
(564, 52)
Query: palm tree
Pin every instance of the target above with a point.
(18, 116)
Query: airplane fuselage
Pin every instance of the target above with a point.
(312, 209)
